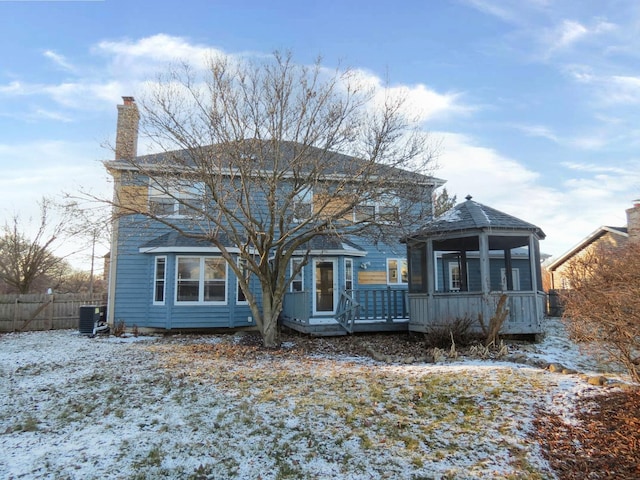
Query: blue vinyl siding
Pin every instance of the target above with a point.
(134, 289)
(135, 286)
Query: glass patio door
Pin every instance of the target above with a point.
(325, 279)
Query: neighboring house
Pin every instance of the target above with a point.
(164, 280)
(603, 237)
(462, 263)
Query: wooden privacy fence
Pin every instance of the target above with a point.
(20, 313)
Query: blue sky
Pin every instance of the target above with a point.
(535, 102)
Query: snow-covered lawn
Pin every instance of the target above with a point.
(199, 407)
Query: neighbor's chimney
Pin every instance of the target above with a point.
(127, 132)
(633, 221)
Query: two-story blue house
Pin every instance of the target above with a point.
(164, 276)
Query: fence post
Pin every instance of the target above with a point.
(51, 308)
(16, 314)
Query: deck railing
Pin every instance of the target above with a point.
(357, 305)
(526, 309)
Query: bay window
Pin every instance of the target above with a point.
(201, 280)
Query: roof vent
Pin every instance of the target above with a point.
(468, 197)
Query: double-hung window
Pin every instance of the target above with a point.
(177, 199)
(201, 280)
(385, 210)
(348, 274)
(159, 280)
(303, 205)
(397, 271)
(297, 279)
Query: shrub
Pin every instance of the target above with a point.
(119, 328)
(456, 331)
(602, 307)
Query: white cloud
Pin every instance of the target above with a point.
(608, 89)
(14, 88)
(501, 11)
(143, 57)
(538, 131)
(59, 60)
(569, 32)
(421, 101)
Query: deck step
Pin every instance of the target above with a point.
(335, 329)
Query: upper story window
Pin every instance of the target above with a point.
(303, 205)
(385, 210)
(182, 199)
(397, 271)
(364, 213)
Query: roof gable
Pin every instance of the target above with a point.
(585, 242)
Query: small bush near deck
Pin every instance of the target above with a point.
(455, 331)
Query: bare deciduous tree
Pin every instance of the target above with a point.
(90, 225)
(602, 307)
(26, 261)
(254, 142)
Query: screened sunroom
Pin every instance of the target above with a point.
(464, 261)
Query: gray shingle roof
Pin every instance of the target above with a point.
(263, 151)
(174, 239)
(473, 216)
(332, 242)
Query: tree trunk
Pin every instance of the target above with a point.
(270, 330)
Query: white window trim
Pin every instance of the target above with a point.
(399, 262)
(451, 267)
(377, 206)
(291, 274)
(515, 277)
(304, 197)
(201, 300)
(155, 280)
(174, 194)
(334, 261)
(348, 260)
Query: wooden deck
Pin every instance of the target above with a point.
(363, 310)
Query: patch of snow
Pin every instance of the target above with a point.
(449, 216)
(152, 407)
(486, 217)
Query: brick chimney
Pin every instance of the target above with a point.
(633, 221)
(127, 130)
